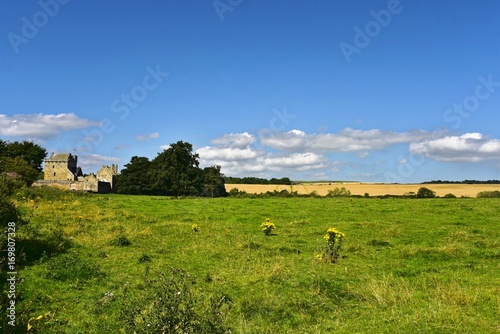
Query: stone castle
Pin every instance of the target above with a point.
(62, 171)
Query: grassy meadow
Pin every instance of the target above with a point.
(406, 266)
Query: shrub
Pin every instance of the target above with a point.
(425, 193)
(489, 194)
(52, 193)
(169, 304)
(450, 195)
(10, 185)
(339, 192)
(235, 192)
(314, 194)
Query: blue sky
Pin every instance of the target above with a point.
(376, 91)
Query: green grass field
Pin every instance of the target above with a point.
(406, 266)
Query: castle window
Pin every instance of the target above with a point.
(54, 173)
(53, 166)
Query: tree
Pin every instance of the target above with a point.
(213, 182)
(175, 171)
(32, 153)
(22, 160)
(134, 178)
(19, 168)
(425, 193)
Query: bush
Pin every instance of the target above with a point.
(489, 194)
(51, 193)
(339, 192)
(450, 195)
(425, 193)
(169, 304)
(235, 192)
(10, 185)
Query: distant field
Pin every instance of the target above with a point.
(373, 189)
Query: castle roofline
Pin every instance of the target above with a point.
(61, 157)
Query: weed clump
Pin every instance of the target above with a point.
(267, 227)
(120, 240)
(170, 304)
(144, 258)
(334, 240)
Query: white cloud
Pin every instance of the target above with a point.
(469, 147)
(96, 160)
(347, 140)
(238, 140)
(41, 126)
(245, 161)
(147, 136)
(227, 153)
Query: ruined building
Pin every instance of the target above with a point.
(61, 170)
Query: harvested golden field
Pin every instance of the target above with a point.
(373, 189)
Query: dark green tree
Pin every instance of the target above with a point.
(425, 193)
(213, 182)
(175, 171)
(32, 153)
(134, 178)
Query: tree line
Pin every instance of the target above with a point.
(463, 182)
(173, 172)
(256, 180)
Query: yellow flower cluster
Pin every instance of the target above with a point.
(332, 234)
(267, 226)
(195, 227)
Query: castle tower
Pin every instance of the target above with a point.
(61, 167)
